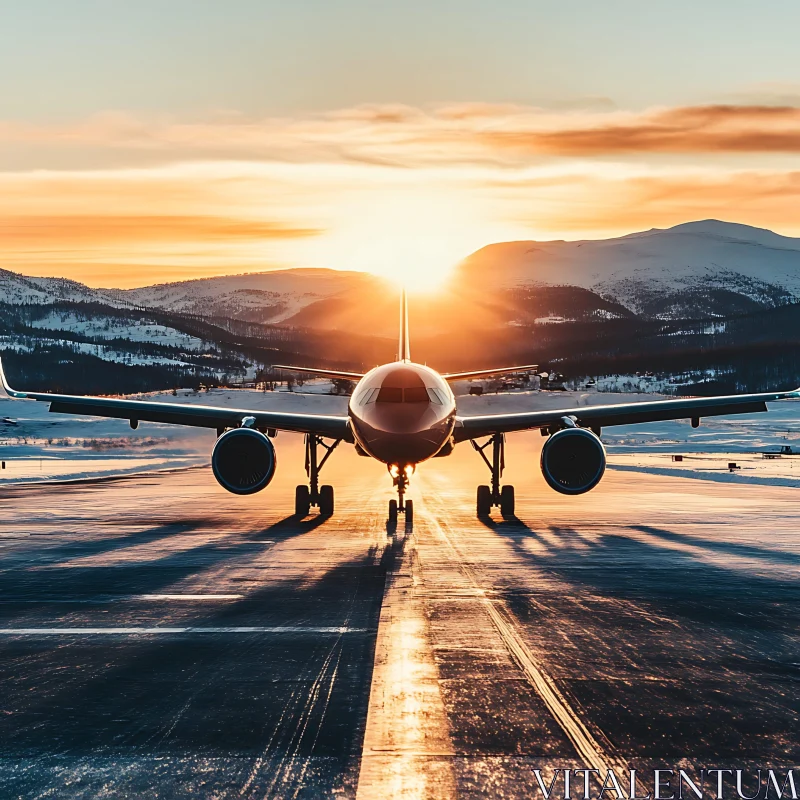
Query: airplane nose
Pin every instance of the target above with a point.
(403, 435)
(404, 419)
(400, 420)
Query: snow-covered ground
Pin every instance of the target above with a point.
(25, 345)
(37, 445)
(110, 328)
(46, 466)
(750, 468)
(645, 383)
(625, 383)
(116, 328)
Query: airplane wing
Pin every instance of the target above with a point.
(450, 376)
(335, 427)
(485, 373)
(597, 417)
(324, 373)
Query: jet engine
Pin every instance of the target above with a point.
(573, 461)
(243, 461)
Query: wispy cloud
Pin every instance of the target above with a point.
(379, 187)
(763, 198)
(70, 230)
(693, 129)
(404, 136)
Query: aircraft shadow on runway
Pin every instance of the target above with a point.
(269, 702)
(717, 644)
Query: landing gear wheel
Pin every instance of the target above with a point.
(326, 500)
(393, 512)
(484, 503)
(490, 496)
(507, 501)
(409, 513)
(320, 496)
(302, 501)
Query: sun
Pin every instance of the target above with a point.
(417, 262)
(413, 235)
(410, 226)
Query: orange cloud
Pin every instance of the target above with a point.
(405, 136)
(763, 199)
(696, 129)
(100, 229)
(376, 187)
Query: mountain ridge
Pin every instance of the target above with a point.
(691, 257)
(694, 269)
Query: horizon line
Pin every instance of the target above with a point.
(346, 270)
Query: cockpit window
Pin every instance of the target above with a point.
(369, 396)
(415, 394)
(389, 394)
(434, 396)
(392, 394)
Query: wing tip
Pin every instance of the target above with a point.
(8, 390)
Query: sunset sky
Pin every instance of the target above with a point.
(154, 141)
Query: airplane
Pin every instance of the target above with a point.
(403, 414)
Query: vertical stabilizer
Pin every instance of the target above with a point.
(404, 352)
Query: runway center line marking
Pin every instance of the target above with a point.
(406, 748)
(149, 631)
(587, 747)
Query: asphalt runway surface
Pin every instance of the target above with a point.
(160, 638)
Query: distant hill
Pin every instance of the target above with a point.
(706, 268)
(714, 303)
(272, 297)
(18, 289)
(692, 271)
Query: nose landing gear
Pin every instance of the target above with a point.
(406, 508)
(495, 495)
(315, 495)
(401, 477)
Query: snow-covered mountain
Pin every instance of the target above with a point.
(670, 272)
(698, 269)
(273, 297)
(18, 289)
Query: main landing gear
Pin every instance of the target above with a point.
(401, 477)
(495, 495)
(314, 494)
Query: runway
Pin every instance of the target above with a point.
(160, 638)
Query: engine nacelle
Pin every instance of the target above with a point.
(573, 461)
(243, 461)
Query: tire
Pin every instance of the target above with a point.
(393, 512)
(484, 504)
(326, 500)
(409, 513)
(507, 501)
(302, 501)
